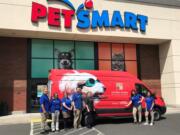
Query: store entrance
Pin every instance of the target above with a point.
(37, 86)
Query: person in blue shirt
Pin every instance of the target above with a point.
(66, 109)
(44, 109)
(149, 100)
(136, 101)
(77, 101)
(55, 108)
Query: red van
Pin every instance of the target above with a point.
(111, 90)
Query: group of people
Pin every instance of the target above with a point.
(136, 101)
(76, 104)
(67, 105)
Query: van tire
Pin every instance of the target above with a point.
(157, 114)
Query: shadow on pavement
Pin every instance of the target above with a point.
(116, 120)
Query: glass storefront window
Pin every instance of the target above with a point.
(63, 46)
(104, 51)
(131, 67)
(117, 57)
(40, 67)
(84, 50)
(45, 55)
(130, 51)
(104, 65)
(42, 48)
(85, 64)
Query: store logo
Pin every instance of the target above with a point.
(87, 17)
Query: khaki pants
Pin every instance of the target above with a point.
(44, 117)
(139, 111)
(55, 121)
(77, 118)
(151, 114)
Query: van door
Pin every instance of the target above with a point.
(116, 96)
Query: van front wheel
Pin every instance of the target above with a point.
(157, 114)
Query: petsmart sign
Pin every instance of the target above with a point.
(87, 17)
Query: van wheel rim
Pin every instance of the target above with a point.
(156, 115)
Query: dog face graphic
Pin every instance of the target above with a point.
(64, 59)
(117, 62)
(88, 83)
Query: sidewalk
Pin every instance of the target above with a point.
(26, 118)
(18, 118)
(172, 110)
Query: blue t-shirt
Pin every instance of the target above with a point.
(135, 100)
(44, 99)
(67, 101)
(77, 98)
(149, 101)
(55, 105)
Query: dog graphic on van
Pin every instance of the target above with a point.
(88, 82)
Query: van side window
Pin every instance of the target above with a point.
(141, 89)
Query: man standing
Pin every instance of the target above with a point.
(44, 109)
(77, 102)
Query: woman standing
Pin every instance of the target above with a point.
(66, 110)
(89, 104)
(55, 107)
(136, 100)
(149, 100)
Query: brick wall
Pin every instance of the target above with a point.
(150, 67)
(13, 72)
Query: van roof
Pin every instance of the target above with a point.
(98, 73)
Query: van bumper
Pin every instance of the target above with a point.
(163, 110)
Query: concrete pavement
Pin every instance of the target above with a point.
(168, 125)
(26, 117)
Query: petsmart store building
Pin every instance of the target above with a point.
(141, 37)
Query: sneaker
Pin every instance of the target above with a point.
(79, 126)
(151, 124)
(53, 130)
(146, 123)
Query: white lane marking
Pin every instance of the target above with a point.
(99, 132)
(86, 132)
(74, 131)
(38, 133)
(31, 131)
